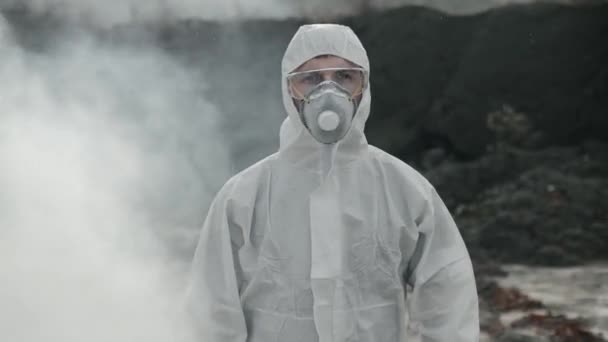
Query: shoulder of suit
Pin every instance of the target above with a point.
(401, 171)
(248, 180)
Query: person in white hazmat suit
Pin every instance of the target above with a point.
(319, 241)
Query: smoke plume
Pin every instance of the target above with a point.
(109, 156)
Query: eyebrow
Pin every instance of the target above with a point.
(348, 62)
(324, 69)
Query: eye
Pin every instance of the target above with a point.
(344, 75)
(312, 78)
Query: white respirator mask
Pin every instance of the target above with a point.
(327, 107)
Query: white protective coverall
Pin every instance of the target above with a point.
(316, 243)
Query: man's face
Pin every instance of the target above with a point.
(328, 62)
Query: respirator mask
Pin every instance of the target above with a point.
(327, 100)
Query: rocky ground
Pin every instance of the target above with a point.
(551, 212)
(544, 207)
(508, 315)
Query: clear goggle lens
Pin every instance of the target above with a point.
(302, 83)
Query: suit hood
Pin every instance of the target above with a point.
(310, 41)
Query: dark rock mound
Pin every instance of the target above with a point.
(545, 207)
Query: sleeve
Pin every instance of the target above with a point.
(212, 299)
(443, 304)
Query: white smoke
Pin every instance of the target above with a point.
(108, 157)
(109, 12)
(459, 7)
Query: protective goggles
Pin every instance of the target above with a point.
(353, 80)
